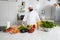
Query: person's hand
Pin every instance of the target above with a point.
(23, 23)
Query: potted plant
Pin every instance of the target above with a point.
(46, 25)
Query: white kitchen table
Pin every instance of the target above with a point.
(54, 34)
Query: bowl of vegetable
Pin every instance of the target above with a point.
(47, 26)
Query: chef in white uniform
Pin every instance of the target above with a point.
(31, 17)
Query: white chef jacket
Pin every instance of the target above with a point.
(31, 17)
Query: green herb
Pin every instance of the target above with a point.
(21, 27)
(47, 24)
(4, 28)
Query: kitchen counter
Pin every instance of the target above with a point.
(54, 34)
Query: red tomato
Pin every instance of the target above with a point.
(30, 30)
(34, 26)
(7, 31)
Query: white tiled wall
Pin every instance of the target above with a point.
(12, 12)
(3, 12)
(7, 12)
(3, 0)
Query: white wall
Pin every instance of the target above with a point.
(3, 0)
(7, 12)
(3, 12)
(12, 10)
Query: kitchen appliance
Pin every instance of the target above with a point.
(20, 17)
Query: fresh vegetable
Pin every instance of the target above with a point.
(28, 26)
(4, 28)
(32, 28)
(21, 27)
(24, 30)
(14, 31)
(38, 23)
(8, 30)
(47, 24)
